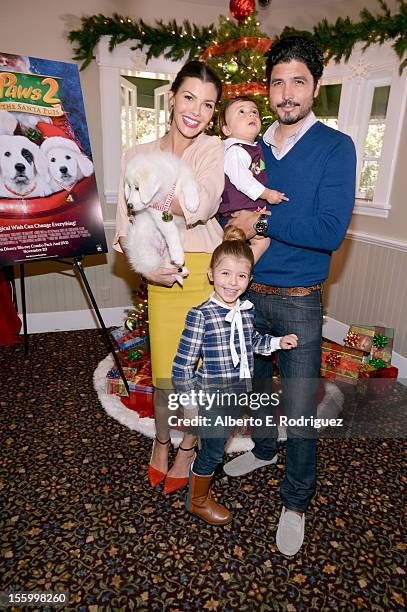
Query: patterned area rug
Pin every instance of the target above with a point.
(77, 513)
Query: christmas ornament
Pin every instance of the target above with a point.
(131, 322)
(333, 359)
(352, 339)
(231, 67)
(380, 341)
(240, 9)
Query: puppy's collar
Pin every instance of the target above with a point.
(21, 195)
(67, 188)
(164, 206)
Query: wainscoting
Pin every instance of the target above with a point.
(367, 284)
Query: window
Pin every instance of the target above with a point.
(365, 97)
(326, 106)
(144, 108)
(373, 144)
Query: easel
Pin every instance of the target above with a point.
(77, 265)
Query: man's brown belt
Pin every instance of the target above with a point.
(292, 291)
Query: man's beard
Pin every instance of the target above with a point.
(289, 118)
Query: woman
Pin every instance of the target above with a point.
(194, 94)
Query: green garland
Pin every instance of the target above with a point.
(338, 39)
(174, 41)
(171, 40)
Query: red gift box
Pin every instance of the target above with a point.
(370, 372)
(141, 392)
(128, 362)
(377, 382)
(141, 402)
(340, 362)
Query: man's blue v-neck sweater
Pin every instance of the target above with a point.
(318, 175)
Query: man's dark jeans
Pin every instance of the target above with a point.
(280, 315)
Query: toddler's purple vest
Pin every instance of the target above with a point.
(232, 198)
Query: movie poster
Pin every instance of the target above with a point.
(49, 204)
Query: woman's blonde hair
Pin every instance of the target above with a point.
(234, 245)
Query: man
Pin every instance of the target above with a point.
(314, 166)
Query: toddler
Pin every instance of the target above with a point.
(245, 170)
(217, 344)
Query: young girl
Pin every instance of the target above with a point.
(221, 333)
(245, 170)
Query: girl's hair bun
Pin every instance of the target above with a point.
(234, 245)
(234, 233)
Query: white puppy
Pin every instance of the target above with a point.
(152, 241)
(66, 162)
(23, 168)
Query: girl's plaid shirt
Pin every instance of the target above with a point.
(206, 336)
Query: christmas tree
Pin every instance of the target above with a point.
(238, 57)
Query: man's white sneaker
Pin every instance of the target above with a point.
(290, 532)
(246, 463)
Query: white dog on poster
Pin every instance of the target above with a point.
(66, 162)
(153, 239)
(23, 168)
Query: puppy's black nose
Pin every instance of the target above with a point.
(63, 170)
(19, 167)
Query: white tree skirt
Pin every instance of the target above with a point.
(329, 407)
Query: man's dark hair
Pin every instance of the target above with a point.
(296, 48)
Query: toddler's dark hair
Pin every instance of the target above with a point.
(234, 245)
(222, 113)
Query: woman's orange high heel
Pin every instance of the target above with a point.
(173, 484)
(154, 475)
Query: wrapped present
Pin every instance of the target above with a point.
(141, 382)
(126, 339)
(377, 382)
(141, 393)
(359, 337)
(340, 362)
(141, 402)
(382, 341)
(114, 382)
(133, 358)
(388, 371)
